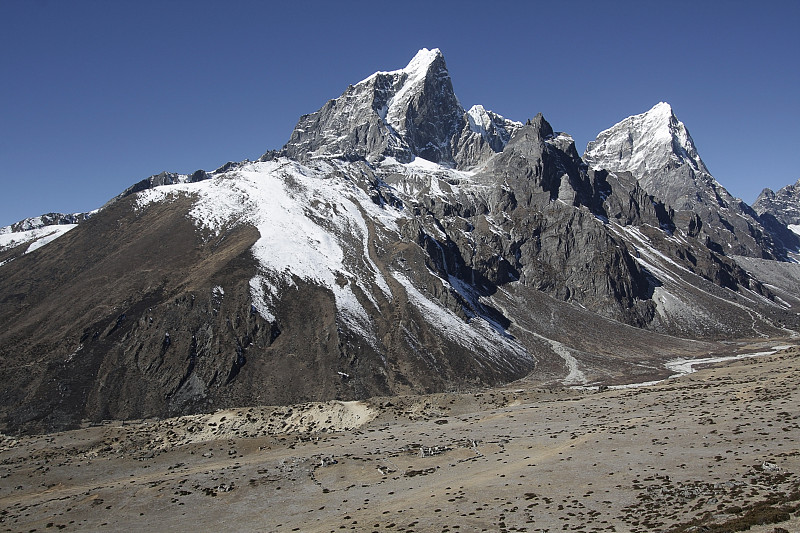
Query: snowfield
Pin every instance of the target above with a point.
(37, 237)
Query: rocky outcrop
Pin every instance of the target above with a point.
(779, 212)
(483, 133)
(163, 178)
(783, 205)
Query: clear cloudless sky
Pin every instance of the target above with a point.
(96, 94)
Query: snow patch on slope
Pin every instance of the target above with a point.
(310, 224)
(261, 296)
(669, 307)
(38, 237)
(478, 333)
(423, 177)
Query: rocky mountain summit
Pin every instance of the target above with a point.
(47, 219)
(406, 113)
(397, 243)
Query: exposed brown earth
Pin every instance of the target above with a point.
(717, 448)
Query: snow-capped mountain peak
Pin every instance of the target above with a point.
(656, 148)
(405, 113)
(423, 60)
(403, 85)
(400, 113)
(415, 69)
(479, 120)
(644, 143)
(411, 84)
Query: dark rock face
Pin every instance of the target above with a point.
(783, 205)
(778, 211)
(532, 190)
(431, 116)
(541, 218)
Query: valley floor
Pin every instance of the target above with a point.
(717, 447)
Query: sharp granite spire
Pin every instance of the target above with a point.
(406, 113)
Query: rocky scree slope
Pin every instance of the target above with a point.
(396, 244)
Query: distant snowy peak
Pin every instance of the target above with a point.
(479, 119)
(48, 219)
(644, 143)
(656, 148)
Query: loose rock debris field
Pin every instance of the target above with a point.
(718, 448)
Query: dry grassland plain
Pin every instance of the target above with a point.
(716, 450)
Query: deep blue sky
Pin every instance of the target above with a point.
(96, 95)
